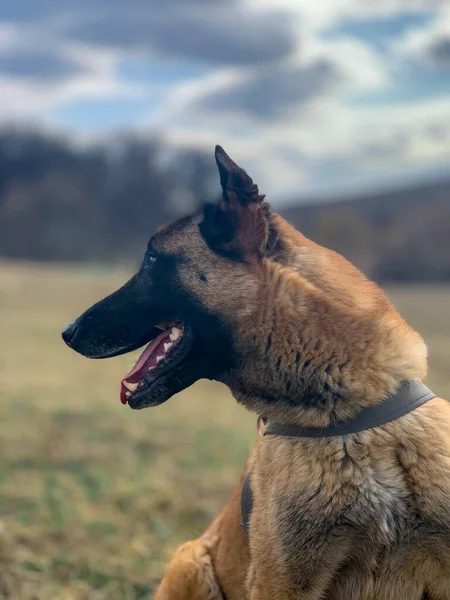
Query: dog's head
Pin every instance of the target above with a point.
(196, 284)
(235, 294)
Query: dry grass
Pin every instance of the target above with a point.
(93, 496)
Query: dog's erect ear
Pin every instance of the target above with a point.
(237, 185)
(239, 224)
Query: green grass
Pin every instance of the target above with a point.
(94, 497)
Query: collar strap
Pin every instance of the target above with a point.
(409, 396)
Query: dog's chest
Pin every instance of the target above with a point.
(334, 483)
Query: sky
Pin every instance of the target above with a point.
(312, 97)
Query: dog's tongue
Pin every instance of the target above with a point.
(146, 362)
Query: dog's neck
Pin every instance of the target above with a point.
(325, 353)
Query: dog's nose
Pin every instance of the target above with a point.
(69, 332)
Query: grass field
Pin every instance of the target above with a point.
(94, 497)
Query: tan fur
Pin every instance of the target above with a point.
(190, 575)
(358, 517)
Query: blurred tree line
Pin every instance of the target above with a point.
(61, 201)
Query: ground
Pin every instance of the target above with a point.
(94, 497)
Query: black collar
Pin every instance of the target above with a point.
(409, 396)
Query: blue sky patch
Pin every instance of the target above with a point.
(100, 114)
(379, 32)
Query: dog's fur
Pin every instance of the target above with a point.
(303, 338)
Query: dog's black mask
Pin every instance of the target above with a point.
(152, 308)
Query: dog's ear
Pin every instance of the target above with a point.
(239, 224)
(237, 185)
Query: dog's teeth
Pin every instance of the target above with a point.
(175, 334)
(159, 359)
(167, 346)
(130, 386)
(128, 394)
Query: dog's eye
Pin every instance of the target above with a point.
(148, 260)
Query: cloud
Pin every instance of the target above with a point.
(34, 81)
(39, 72)
(215, 35)
(438, 51)
(29, 10)
(274, 91)
(217, 32)
(318, 73)
(429, 44)
(39, 65)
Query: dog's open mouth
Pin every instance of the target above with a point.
(160, 356)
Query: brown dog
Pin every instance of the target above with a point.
(303, 338)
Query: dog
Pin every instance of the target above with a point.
(235, 294)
